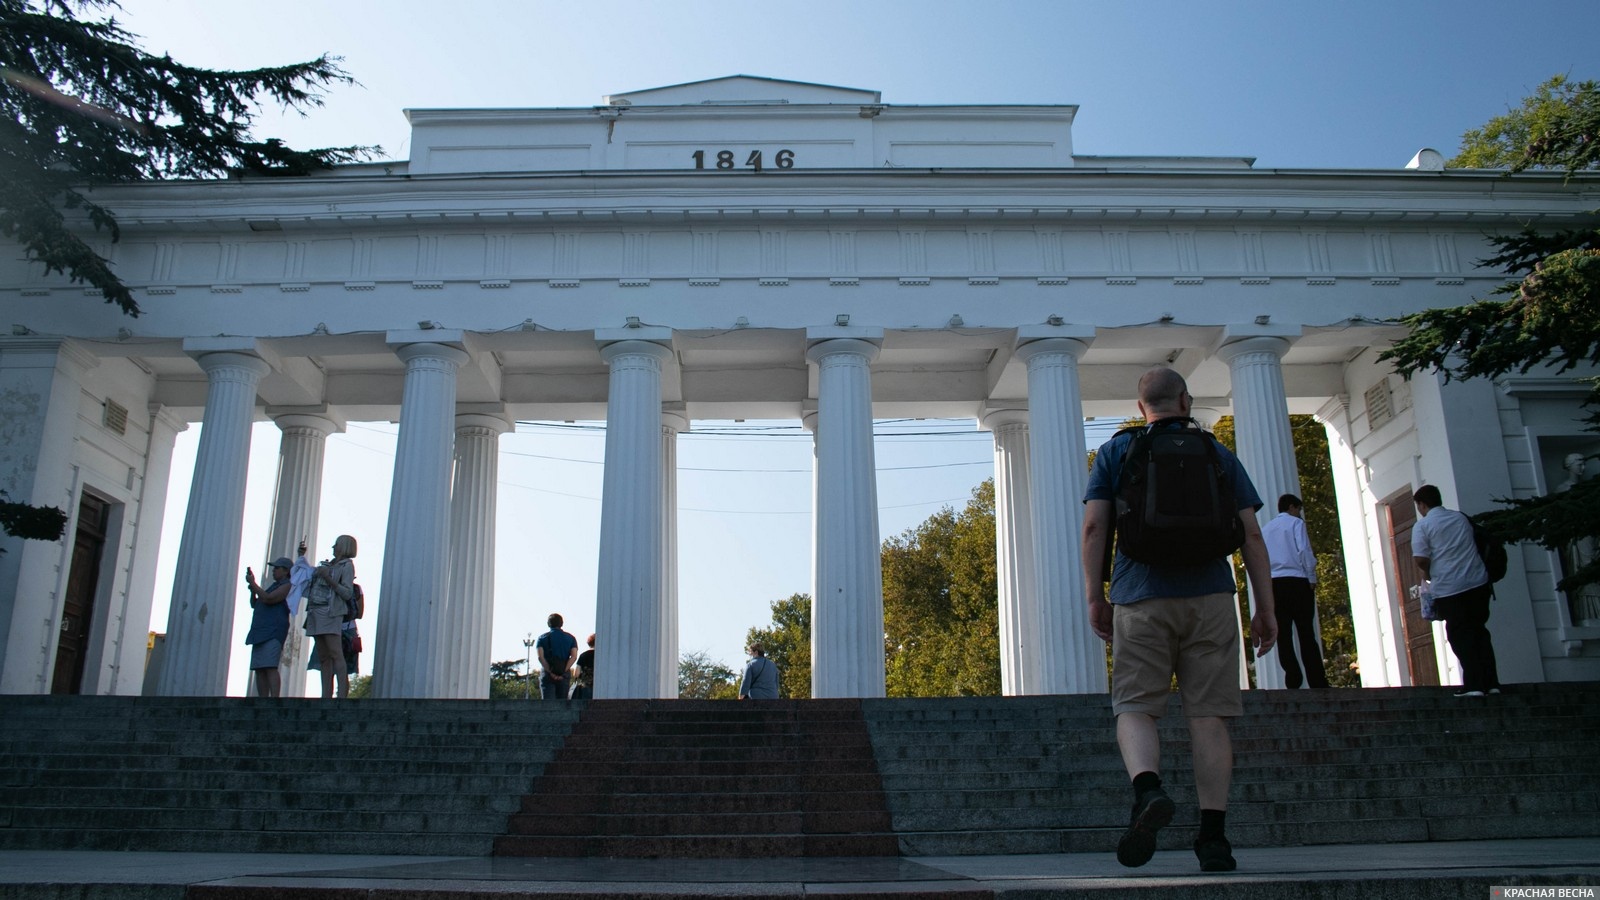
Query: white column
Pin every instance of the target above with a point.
(1376, 647)
(1072, 659)
(205, 585)
(468, 613)
(672, 422)
(1020, 651)
(628, 608)
(847, 590)
(417, 544)
(301, 452)
(1264, 442)
(129, 659)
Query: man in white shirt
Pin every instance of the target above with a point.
(1294, 579)
(1442, 546)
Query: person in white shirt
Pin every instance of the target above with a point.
(1442, 546)
(1294, 581)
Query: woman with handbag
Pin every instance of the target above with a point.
(327, 600)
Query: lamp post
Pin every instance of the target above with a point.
(527, 677)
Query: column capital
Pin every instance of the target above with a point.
(1234, 349)
(213, 363)
(817, 335)
(430, 350)
(676, 419)
(992, 418)
(652, 333)
(201, 347)
(498, 424)
(310, 418)
(611, 352)
(820, 350)
(1031, 350)
(1027, 334)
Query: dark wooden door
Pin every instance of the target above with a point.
(1417, 631)
(83, 582)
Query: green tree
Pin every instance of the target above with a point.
(81, 105)
(941, 604)
(360, 687)
(1322, 523)
(508, 681)
(1556, 128)
(788, 644)
(702, 678)
(1548, 315)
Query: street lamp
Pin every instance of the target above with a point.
(527, 678)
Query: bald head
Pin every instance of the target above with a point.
(1163, 392)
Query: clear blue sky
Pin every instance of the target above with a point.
(1332, 85)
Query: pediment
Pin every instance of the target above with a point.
(741, 90)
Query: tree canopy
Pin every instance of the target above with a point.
(1547, 316)
(702, 678)
(788, 644)
(81, 105)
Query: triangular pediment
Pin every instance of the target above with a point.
(740, 90)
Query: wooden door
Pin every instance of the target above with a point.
(83, 582)
(1417, 631)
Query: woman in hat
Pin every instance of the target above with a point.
(269, 625)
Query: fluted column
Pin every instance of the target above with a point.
(467, 616)
(1073, 659)
(671, 423)
(205, 586)
(847, 591)
(302, 449)
(1020, 650)
(628, 608)
(417, 543)
(1264, 442)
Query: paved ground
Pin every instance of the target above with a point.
(1440, 869)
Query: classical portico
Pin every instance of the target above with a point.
(752, 248)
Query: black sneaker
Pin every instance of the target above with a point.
(1215, 855)
(1151, 813)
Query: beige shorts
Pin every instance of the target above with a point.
(1194, 638)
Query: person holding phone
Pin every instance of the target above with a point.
(327, 600)
(269, 626)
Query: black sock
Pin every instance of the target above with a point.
(1145, 781)
(1211, 822)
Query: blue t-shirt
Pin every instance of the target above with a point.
(1132, 581)
(558, 647)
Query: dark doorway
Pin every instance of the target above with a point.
(1417, 631)
(83, 583)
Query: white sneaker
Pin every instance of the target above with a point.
(1469, 693)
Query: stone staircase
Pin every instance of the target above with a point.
(1042, 775)
(704, 779)
(774, 778)
(268, 776)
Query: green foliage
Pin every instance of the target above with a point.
(360, 687)
(941, 604)
(788, 644)
(81, 105)
(702, 678)
(1556, 128)
(508, 681)
(1550, 312)
(31, 523)
(1322, 523)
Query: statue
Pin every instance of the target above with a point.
(1585, 604)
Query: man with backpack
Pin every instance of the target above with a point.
(1179, 504)
(1446, 553)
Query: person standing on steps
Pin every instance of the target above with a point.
(583, 687)
(760, 681)
(327, 600)
(557, 652)
(269, 626)
(1445, 554)
(1173, 619)
(1294, 592)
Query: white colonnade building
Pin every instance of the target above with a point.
(750, 248)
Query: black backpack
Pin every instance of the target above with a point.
(1174, 503)
(1491, 550)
